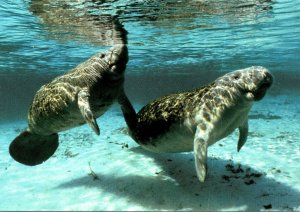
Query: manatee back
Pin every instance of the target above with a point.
(55, 106)
(54, 109)
(157, 117)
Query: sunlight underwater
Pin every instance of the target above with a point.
(173, 46)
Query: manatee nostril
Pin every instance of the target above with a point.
(236, 77)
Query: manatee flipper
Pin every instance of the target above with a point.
(200, 153)
(85, 109)
(32, 149)
(243, 135)
(128, 112)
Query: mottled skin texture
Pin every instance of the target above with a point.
(194, 120)
(157, 117)
(55, 105)
(75, 98)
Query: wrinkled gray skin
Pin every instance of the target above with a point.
(81, 95)
(194, 120)
(75, 98)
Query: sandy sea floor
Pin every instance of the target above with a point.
(111, 172)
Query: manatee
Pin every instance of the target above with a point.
(73, 99)
(194, 120)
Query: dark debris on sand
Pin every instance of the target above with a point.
(238, 172)
(123, 145)
(269, 206)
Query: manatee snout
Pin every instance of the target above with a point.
(265, 84)
(119, 55)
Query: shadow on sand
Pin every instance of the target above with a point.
(228, 186)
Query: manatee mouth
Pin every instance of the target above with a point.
(261, 90)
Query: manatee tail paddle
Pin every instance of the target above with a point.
(32, 149)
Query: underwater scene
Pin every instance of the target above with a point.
(153, 115)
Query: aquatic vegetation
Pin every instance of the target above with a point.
(238, 172)
(124, 145)
(70, 154)
(92, 173)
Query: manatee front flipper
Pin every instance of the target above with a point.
(128, 112)
(200, 153)
(32, 149)
(85, 109)
(243, 135)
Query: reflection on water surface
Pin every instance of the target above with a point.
(189, 42)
